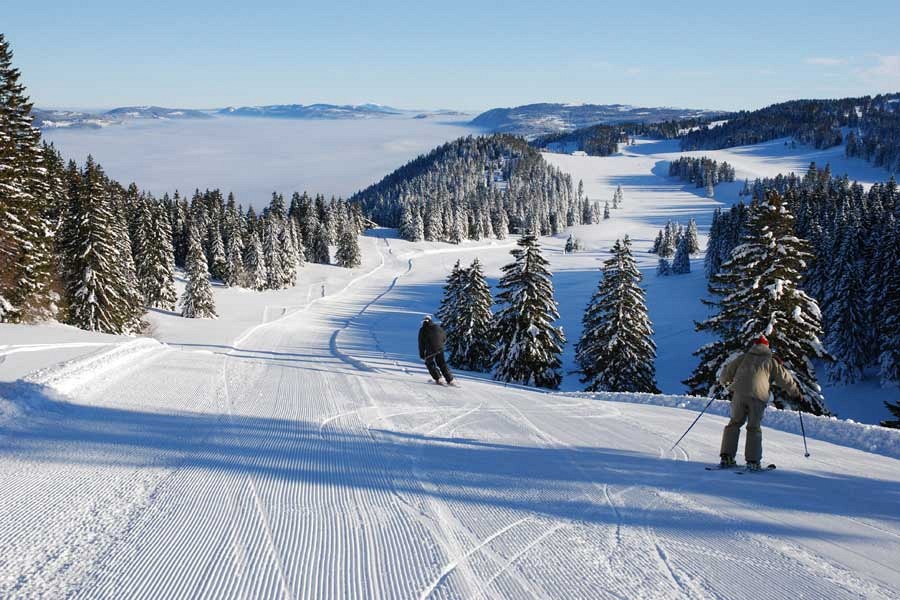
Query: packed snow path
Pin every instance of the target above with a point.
(311, 459)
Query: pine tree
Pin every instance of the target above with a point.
(321, 253)
(657, 243)
(218, 261)
(758, 293)
(693, 239)
(158, 262)
(848, 331)
(472, 344)
(669, 240)
(197, 302)
(125, 279)
(616, 350)
(26, 236)
(255, 264)
(711, 260)
(606, 210)
(348, 254)
(272, 251)
(449, 308)
(407, 229)
(889, 326)
(528, 345)
(94, 264)
(681, 264)
(235, 275)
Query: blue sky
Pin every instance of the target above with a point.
(451, 54)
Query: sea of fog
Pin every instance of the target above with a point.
(253, 157)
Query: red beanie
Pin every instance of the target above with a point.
(762, 340)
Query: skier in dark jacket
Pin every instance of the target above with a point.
(431, 348)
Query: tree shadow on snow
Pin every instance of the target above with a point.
(554, 482)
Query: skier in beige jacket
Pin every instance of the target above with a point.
(748, 377)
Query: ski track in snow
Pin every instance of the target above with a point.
(311, 459)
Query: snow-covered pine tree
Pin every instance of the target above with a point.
(669, 240)
(758, 292)
(255, 264)
(711, 260)
(528, 345)
(472, 347)
(615, 199)
(619, 197)
(197, 302)
(321, 253)
(407, 229)
(26, 235)
(297, 240)
(606, 210)
(218, 262)
(348, 254)
(235, 275)
(127, 288)
(616, 352)
(158, 261)
(657, 243)
(681, 264)
(96, 295)
(273, 253)
(450, 302)
(693, 239)
(570, 244)
(501, 222)
(308, 218)
(848, 332)
(889, 329)
(710, 190)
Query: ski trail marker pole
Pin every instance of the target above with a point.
(692, 424)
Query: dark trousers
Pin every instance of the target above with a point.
(437, 366)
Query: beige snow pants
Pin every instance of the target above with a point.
(751, 411)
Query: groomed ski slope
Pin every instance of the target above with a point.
(308, 457)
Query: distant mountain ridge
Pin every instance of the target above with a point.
(70, 119)
(312, 111)
(532, 120)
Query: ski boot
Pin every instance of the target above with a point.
(753, 465)
(727, 461)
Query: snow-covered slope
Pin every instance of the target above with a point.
(309, 457)
(293, 448)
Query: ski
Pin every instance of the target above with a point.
(720, 468)
(765, 468)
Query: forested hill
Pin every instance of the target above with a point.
(476, 187)
(870, 126)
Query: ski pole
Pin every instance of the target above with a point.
(803, 431)
(692, 424)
